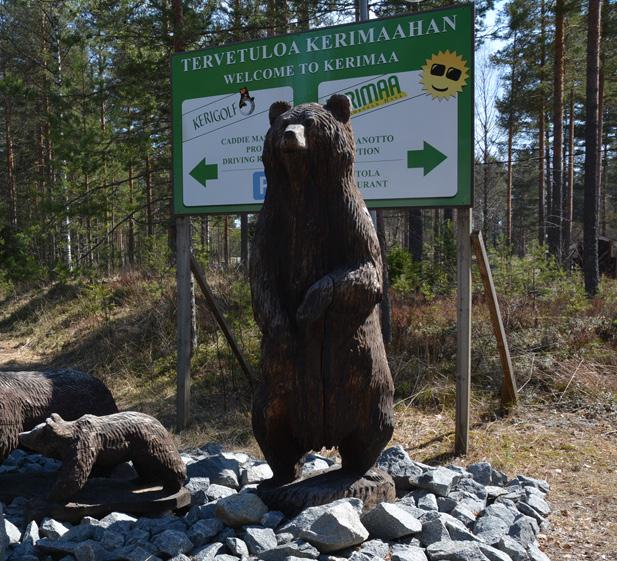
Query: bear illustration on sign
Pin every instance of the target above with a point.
(316, 281)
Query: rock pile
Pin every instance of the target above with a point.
(444, 513)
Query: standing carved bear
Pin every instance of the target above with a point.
(316, 281)
(27, 398)
(106, 441)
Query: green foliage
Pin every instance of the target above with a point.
(18, 258)
(537, 275)
(429, 277)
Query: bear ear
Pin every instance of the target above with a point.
(277, 109)
(340, 106)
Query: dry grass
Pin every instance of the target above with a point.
(577, 456)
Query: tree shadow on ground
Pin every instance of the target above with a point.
(30, 311)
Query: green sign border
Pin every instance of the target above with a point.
(465, 195)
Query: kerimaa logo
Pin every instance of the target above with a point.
(375, 94)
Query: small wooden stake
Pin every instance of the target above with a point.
(509, 393)
(463, 347)
(200, 277)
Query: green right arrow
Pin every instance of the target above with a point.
(428, 158)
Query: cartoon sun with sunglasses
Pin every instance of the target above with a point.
(444, 75)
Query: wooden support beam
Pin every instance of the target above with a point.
(463, 317)
(200, 277)
(183, 322)
(509, 393)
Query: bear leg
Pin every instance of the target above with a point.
(273, 434)
(359, 451)
(152, 471)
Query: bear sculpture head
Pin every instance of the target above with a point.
(309, 140)
(47, 438)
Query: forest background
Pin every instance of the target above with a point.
(87, 235)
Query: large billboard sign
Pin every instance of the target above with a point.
(410, 81)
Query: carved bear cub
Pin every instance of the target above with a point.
(106, 441)
(316, 280)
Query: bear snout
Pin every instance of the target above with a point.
(293, 138)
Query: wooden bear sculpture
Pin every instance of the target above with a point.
(316, 280)
(106, 441)
(27, 398)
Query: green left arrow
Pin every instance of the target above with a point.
(428, 158)
(203, 172)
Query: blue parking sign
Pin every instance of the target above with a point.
(259, 185)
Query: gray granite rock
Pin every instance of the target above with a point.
(408, 504)
(294, 548)
(535, 554)
(182, 557)
(4, 538)
(540, 505)
(490, 528)
(272, 519)
(216, 492)
(439, 480)
(371, 550)
(507, 511)
(118, 521)
(237, 547)
(55, 547)
(225, 533)
(524, 508)
(203, 531)
(259, 539)
(52, 529)
(481, 472)
(162, 523)
(29, 539)
(465, 513)
(337, 528)
(540, 484)
(434, 531)
(112, 539)
(172, 542)
(388, 521)
(403, 470)
(198, 488)
(9, 533)
(514, 549)
(137, 536)
(428, 501)
(315, 462)
(472, 488)
(304, 520)
(446, 504)
(407, 553)
(226, 557)
(208, 552)
(90, 551)
(455, 551)
(457, 530)
(218, 469)
(200, 512)
(284, 537)
(524, 530)
(255, 473)
(241, 509)
(494, 554)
